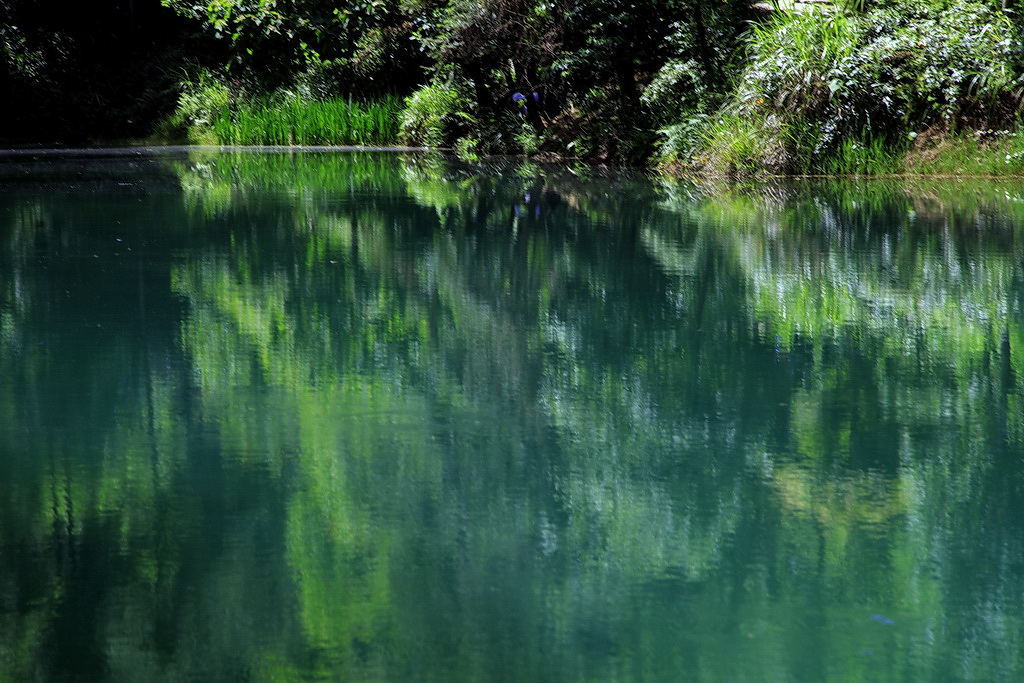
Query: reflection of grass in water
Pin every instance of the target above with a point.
(300, 169)
(216, 180)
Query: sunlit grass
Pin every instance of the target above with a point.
(844, 94)
(298, 121)
(872, 157)
(980, 153)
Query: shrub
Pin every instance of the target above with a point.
(679, 86)
(436, 115)
(681, 143)
(816, 80)
(201, 103)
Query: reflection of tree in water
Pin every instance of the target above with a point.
(909, 308)
(578, 439)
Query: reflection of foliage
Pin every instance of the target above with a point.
(425, 416)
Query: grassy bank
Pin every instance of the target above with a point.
(974, 153)
(922, 87)
(902, 87)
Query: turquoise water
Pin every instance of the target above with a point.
(389, 417)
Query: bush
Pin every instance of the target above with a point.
(436, 115)
(201, 103)
(816, 80)
(678, 87)
(680, 144)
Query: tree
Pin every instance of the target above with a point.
(74, 71)
(361, 46)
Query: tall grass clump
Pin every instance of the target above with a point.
(868, 157)
(289, 119)
(209, 112)
(789, 96)
(842, 92)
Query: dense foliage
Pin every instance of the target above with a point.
(813, 83)
(71, 71)
(721, 86)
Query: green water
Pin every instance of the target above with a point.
(384, 417)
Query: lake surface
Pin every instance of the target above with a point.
(388, 417)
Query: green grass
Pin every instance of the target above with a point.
(978, 153)
(295, 121)
(870, 157)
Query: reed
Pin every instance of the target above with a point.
(293, 120)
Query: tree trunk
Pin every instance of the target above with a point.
(710, 73)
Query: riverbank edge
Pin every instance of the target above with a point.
(971, 155)
(976, 153)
